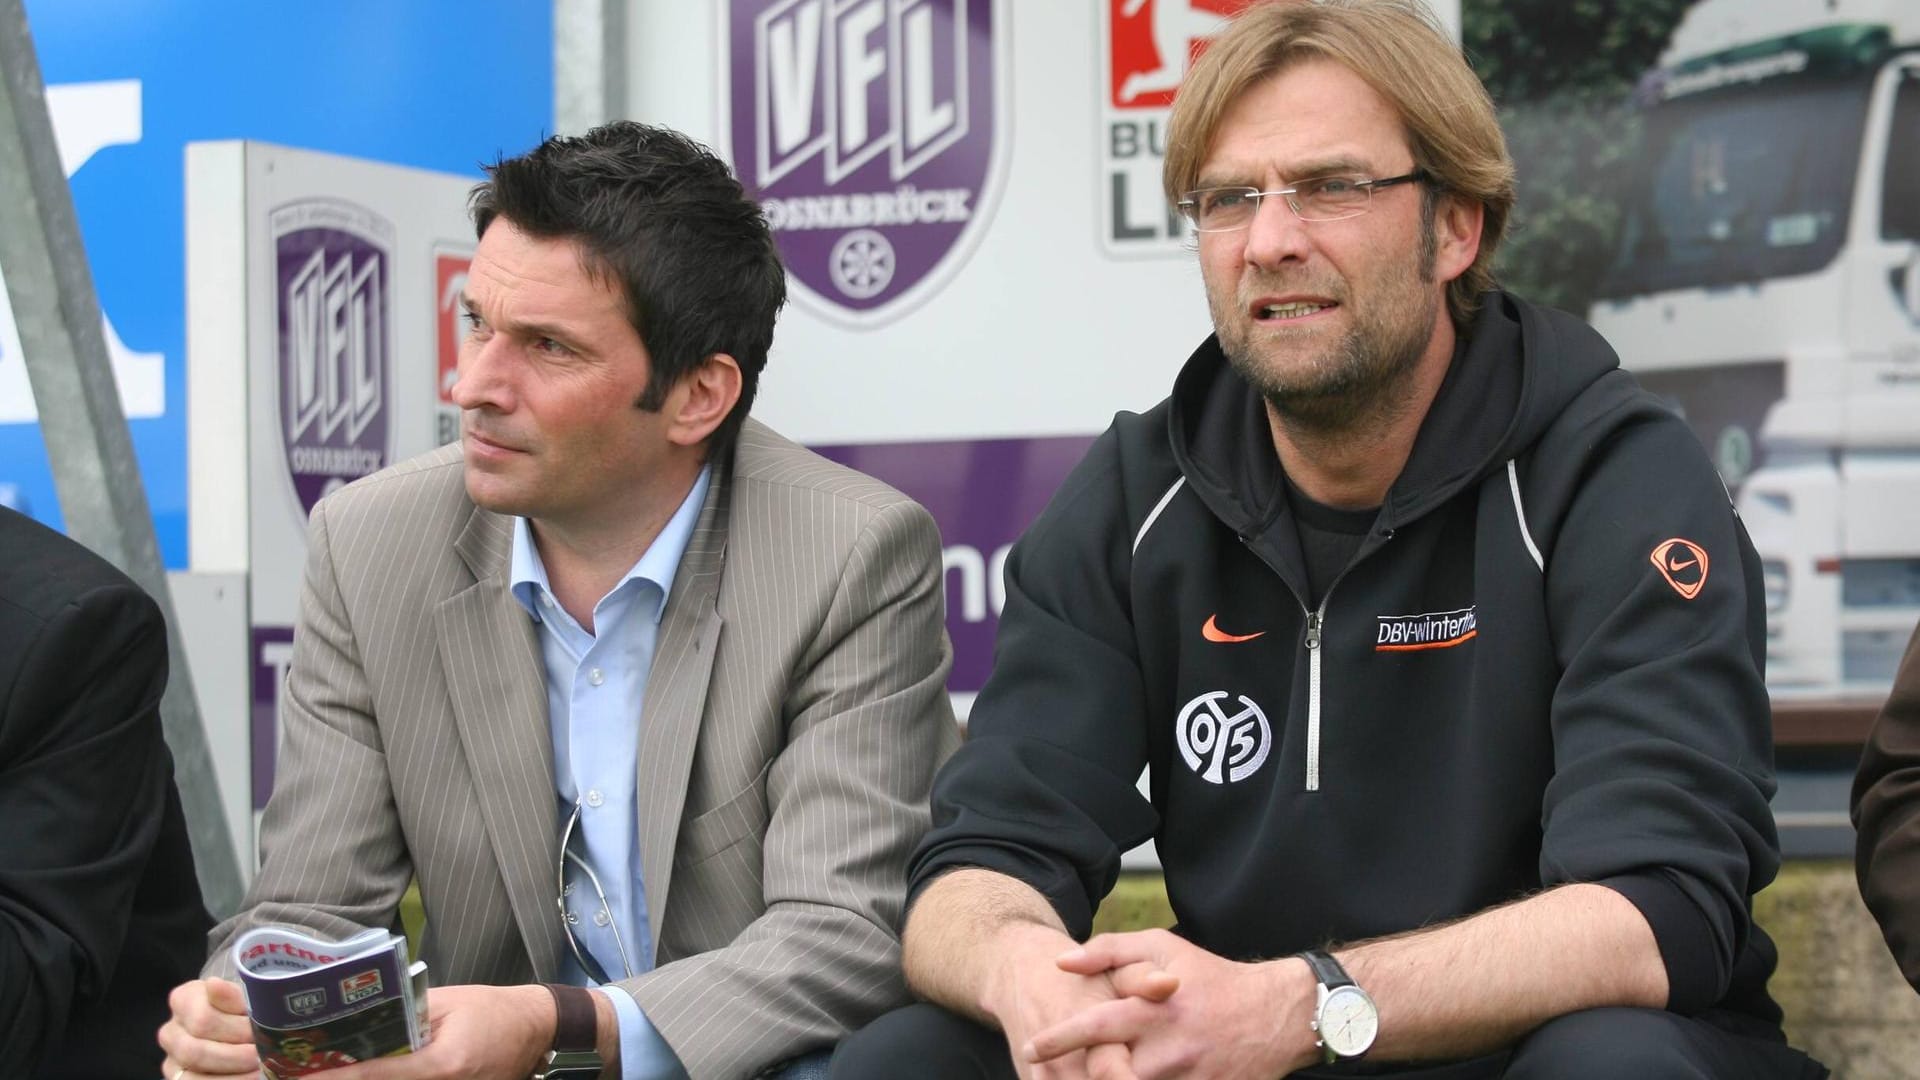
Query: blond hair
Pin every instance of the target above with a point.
(1397, 48)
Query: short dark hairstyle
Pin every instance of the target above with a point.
(664, 219)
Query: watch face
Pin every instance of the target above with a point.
(1348, 1021)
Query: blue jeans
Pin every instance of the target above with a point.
(805, 1067)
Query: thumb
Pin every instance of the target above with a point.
(226, 996)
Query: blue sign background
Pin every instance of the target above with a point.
(438, 85)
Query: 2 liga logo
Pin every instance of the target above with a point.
(873, 132)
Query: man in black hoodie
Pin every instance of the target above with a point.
(1438, 638)
(100, 912)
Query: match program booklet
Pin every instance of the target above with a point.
(317, 1005)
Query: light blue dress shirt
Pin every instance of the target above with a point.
(596, 702)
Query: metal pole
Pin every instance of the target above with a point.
(88, 445)
(589, 63)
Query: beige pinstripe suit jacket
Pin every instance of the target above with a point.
(794, 717)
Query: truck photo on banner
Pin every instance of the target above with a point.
(1729, 190)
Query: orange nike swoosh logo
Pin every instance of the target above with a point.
(1213, 633)
(1666, 559)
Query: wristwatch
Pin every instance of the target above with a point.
(576, 1049)
(1345, 1019)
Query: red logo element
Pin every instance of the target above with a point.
(450, 323)
(359, 987)
(1155, 42)
(1684, 564)
(1213, 633)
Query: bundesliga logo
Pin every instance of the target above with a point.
(870, 131)
(332, 275)
(359, 987)
(450, 330)
(1149, 45)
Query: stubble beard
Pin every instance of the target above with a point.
(1361, 380)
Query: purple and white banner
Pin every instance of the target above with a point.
(874, 133)
(332, 279)
(983, 493)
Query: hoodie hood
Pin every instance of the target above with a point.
(1512, 374)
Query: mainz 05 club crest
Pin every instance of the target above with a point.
(874, 132)
(332, 276)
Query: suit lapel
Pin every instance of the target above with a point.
(495, 681)
(677, 694)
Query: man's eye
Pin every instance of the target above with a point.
(1225, 200)
(1332, 186)
(548, 345)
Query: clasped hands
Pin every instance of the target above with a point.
(1147, 1005)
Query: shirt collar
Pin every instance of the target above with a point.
(658, 564)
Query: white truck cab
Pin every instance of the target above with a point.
(1768, 284)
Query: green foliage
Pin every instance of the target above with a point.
(1562, 72)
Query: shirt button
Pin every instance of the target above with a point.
(594, 798)
(596, 677)
(601, 918)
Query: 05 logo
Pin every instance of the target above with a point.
(1223, 740)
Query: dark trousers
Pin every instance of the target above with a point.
(930, 1043)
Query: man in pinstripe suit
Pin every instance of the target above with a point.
(644, 696)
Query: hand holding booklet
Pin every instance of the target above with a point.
(317, 1005)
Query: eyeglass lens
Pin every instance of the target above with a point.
(1325, 198)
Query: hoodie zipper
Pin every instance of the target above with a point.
(1316, 625)
(1314, 621)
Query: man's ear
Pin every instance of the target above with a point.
(1457, 224)
(702, 399)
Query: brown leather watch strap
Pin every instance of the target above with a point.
(576, 1024)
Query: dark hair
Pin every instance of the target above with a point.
(663, 218)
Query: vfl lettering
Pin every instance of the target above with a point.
(853, 81)
(336, 379)
(332, 277)
(1431, 630)
(1223, 747)
(1684, 575)
(306, 1002)
(867, 130)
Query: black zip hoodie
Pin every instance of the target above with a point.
(1543, 665)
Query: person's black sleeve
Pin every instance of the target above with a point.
(1044, 790)
(1663, 744)
(83, 782)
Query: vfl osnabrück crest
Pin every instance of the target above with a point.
(332, 278)
(874, 133)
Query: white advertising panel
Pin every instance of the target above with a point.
(332, 368)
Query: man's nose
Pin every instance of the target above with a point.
(1276, 233)
(481, 377)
